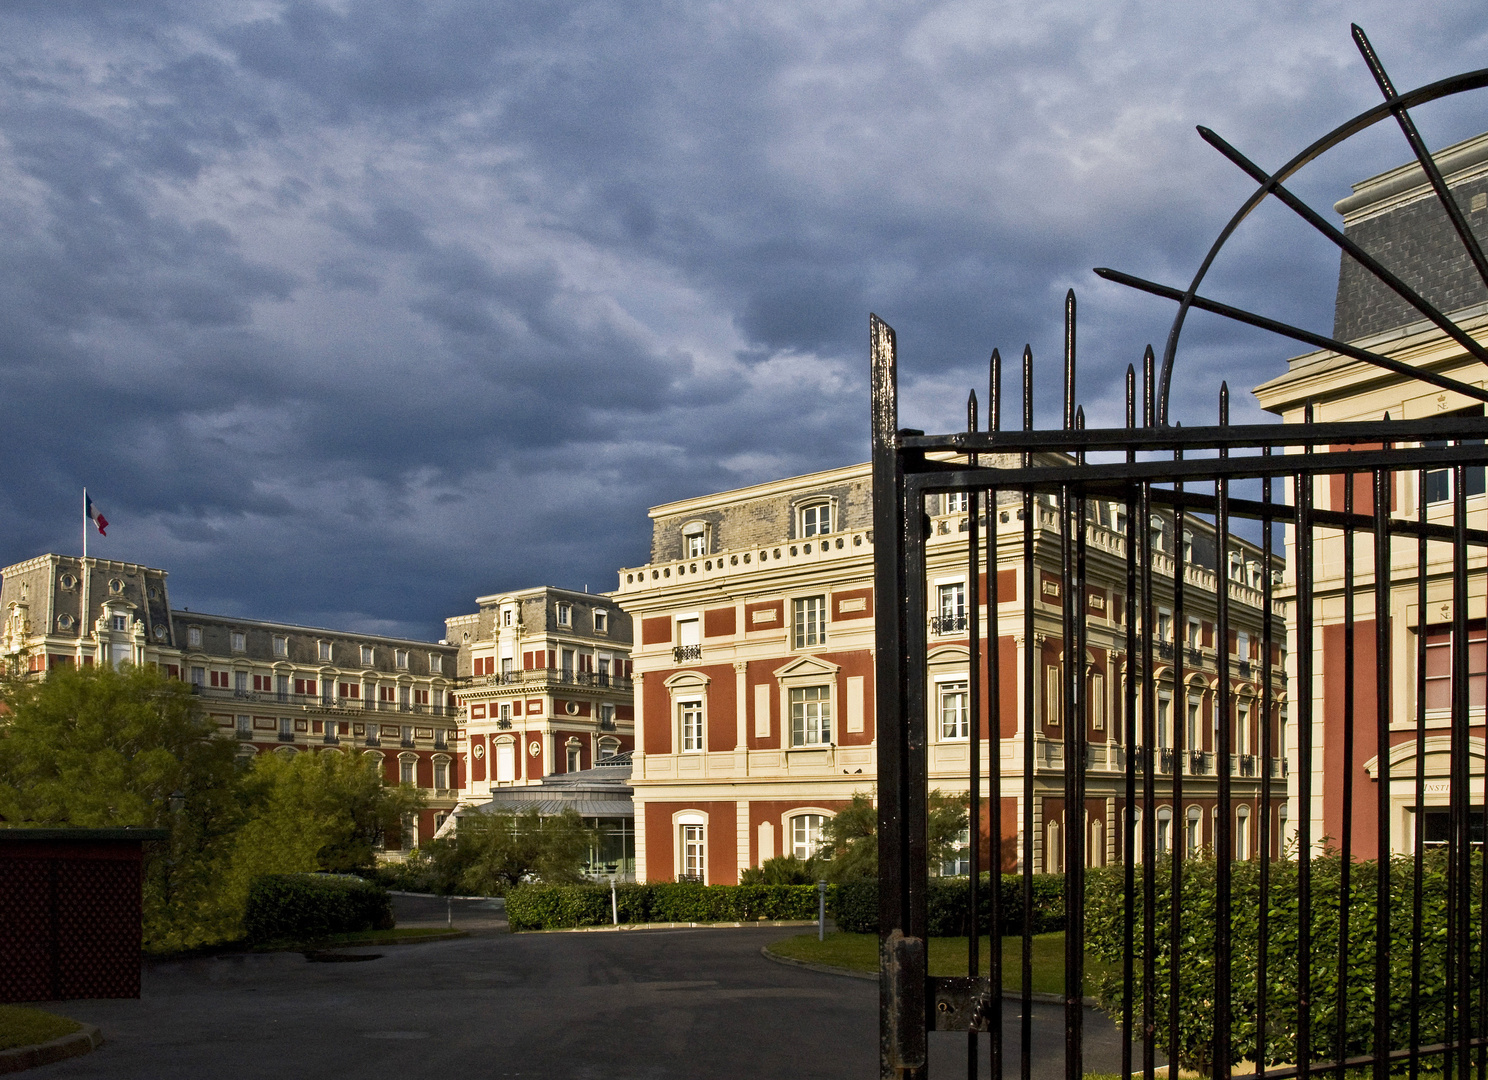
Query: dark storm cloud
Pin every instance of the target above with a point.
(351, 311)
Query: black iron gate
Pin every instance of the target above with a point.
(1255, 759)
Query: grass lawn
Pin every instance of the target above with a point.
(27, 1027)
(947, 956)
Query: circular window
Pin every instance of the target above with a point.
(534, 748)
(572, 708)
(116, 585)
(160, 633)
(478, 751)
(67, 581)
(65, 622)
(154, 593)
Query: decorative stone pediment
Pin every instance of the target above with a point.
(806, 667)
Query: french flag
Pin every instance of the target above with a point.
(96, 517)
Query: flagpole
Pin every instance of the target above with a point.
(85, 529)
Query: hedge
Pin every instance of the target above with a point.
(550, 907)
(303, 907)
(854, 906)
(1105, 904)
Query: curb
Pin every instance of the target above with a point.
(853, 973)
(83, 1041)
(670, 926)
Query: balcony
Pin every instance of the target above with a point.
(244, 736)
(286, 736)
(1164, 650)
(684, 653)
(371, 740)
(606, 723)
(1164, 760)
(1247, 765)
(556, 676)
(1198, 762)
(948, 624)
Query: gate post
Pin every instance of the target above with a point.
(898, 537)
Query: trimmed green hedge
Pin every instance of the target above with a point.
(551, 907)
(854, 905)
(1106, 901)
(302, 907)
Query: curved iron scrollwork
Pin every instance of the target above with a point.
(1272, 185)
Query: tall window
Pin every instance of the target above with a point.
(816, 519)
(601, 621)
(281, 646)
(565, 614)
(1242, 833)
(1191, 734)
(1164, 625)
(367, 655)
(325, 649)
(959, 864)
(405, 770)
(1192, 837)
(436, 664)
(950, 603)
(239, 641)
(806, 835)
(955, 721)
(506, 616)
(694, 858)
(1439, 481)
(240, 682)
(198, 676)
(1164, 722)
(1242, 646)
(1242, 729)
(1053, 695)
(193, 636)
(1097, 703)
(811, 621)
(690, 722)
(956, 502)
(573, 758)
(1439, 668)
(1164, 831)
(697, 545)
(245, 726)
(441, 774)
(811, 715)
(400, 657)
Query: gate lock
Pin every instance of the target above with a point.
(960, 1003)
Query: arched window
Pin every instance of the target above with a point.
(806, 834)
(1193, 831)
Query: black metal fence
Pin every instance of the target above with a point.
(1229, 680)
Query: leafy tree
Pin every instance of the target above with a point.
(490, 852)
(850, 839)
(308, 812)
(106, 748)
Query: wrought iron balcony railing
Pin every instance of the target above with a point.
(948, 624)
(683, 653)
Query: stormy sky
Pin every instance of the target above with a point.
(349, 312)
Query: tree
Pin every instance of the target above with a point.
(492, 851)
(106, 748)
(850, 839)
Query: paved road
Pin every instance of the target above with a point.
(647, 1005)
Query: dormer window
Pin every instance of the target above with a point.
(281, 646)
(325, 649)
(506, 616)
(119, 622)
(694, 539)
(565, 614)
(193, 636)
(366, 655)
(239, 641)
(601, 621)
(400, 657)
(815, 519)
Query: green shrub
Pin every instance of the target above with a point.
(302, 907)
(550, 907)
(1105, 903)
(854, 905)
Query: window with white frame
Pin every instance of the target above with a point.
(198, 676)
(694, 540)
(565, 614)
(806, 835)
(1242, 728)
(694, 852)
(1164, 625)
(959, 862)
(436, 663)
(1054, 694)
(281, 645)
(239, 641)
(608, 748)
(950, 605)
(955, 713)
(815, 519)
(810, 621)
(601, 621)
(405, 769)
(506, 616)
(1242, 646)
(1097, 702)
(1195, 633)
(1242, 833)
(400, 657)
(1164, 831)
(1164, 721)
(572, 755)
(690, 724)
(324, 648)
(441, 773)
(193, 636)
(1188, 547)
(955, 502)
(367, 655)
(1193, 835)
(1439, 481)
(119, 622)
(811, 715)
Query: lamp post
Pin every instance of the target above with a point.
(821, 911)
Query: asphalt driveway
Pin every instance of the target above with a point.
(612, 1006)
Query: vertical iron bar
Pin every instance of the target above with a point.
(1224, 840)
(1269, 749)
(974, 693)
(1305, 614)
(1423, 553)
(1179, 714)
(1072, 531)
(1030, 646)
(1345, 867)
(1149, 754)
(1129, 725)
(1383, 485)
(902, 1037)
(1461, 797)
(994, 735)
